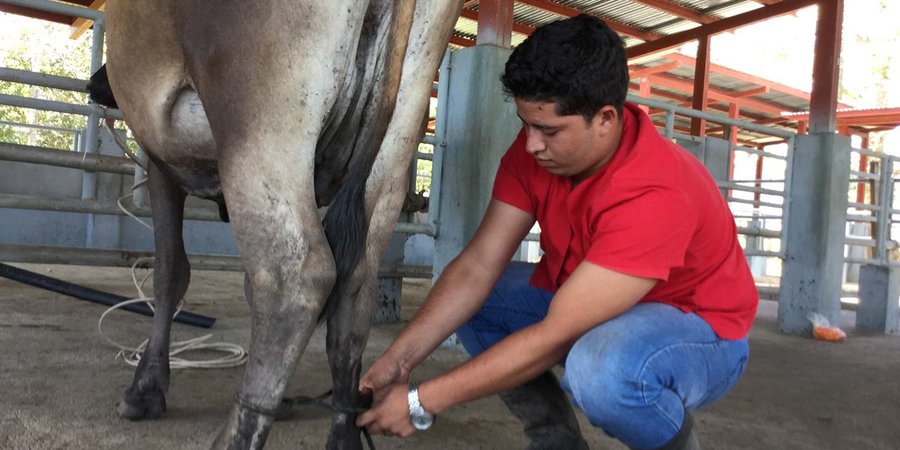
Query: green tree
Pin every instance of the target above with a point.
(45, 48)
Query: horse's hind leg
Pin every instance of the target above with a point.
(348, 330)
(146, 398)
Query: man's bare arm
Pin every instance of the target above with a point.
(462, 287)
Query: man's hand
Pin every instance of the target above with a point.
(389, 414)
(384, 372)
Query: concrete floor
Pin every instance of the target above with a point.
(60, 382)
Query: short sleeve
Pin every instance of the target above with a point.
(646, 235)
(511, 182)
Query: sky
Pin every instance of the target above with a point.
(781, 49)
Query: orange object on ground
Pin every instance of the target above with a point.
(822, 329)
(830, 334)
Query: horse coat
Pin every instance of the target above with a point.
(274, 109)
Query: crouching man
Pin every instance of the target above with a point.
(643, 293)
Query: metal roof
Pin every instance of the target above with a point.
(759, 100)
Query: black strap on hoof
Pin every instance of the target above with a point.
(319, 401)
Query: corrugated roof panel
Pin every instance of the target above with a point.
(709, 6)
(623, 11)
(725, 83)
(732, 8)
(532, 16)
(789, 101)
(466, 27)
(673, 27)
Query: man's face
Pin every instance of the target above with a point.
(569, 146)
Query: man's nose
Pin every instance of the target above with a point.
(534, 144)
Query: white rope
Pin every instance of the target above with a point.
(234, 355)
(129, 213)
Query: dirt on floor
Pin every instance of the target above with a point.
(60, 382)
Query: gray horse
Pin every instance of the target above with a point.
(275, 109)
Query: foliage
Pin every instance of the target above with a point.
(45, 48)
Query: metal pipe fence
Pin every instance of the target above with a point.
(758, 203)
(871, 219)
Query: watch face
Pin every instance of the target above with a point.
(422, 422)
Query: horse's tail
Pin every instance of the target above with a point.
(99, 90)
(380, 62)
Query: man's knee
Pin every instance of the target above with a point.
(603, 379)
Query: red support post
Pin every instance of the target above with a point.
(759, 171)
(495, 23)
(733, 113)
(701, 85)
(822, 114)
(861, 186)
(863, 167)
(644, 92)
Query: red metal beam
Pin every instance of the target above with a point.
(883, 120)
(719, 26)
(461, 41)
(743, 76)
(516, 26)
(751, 92)
(686, 85)
(567, 11)
(644, 71)
(679, 11)
(685, 100)
(822, 117)
(701, 85)
(878, 116)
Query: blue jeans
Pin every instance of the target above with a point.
(635, 375)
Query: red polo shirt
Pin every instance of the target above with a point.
(653, 211)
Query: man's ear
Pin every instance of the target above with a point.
(607, 118)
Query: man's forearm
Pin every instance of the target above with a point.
(509, 363)
(458, 294)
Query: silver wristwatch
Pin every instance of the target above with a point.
(420, 418)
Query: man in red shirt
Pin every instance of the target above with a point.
(643, 292)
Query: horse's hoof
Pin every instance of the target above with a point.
(142, 406)
(344, 436)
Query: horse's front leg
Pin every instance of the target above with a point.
(146, 397)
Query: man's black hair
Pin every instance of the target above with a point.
(579, 63)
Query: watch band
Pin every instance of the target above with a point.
(420, 418)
